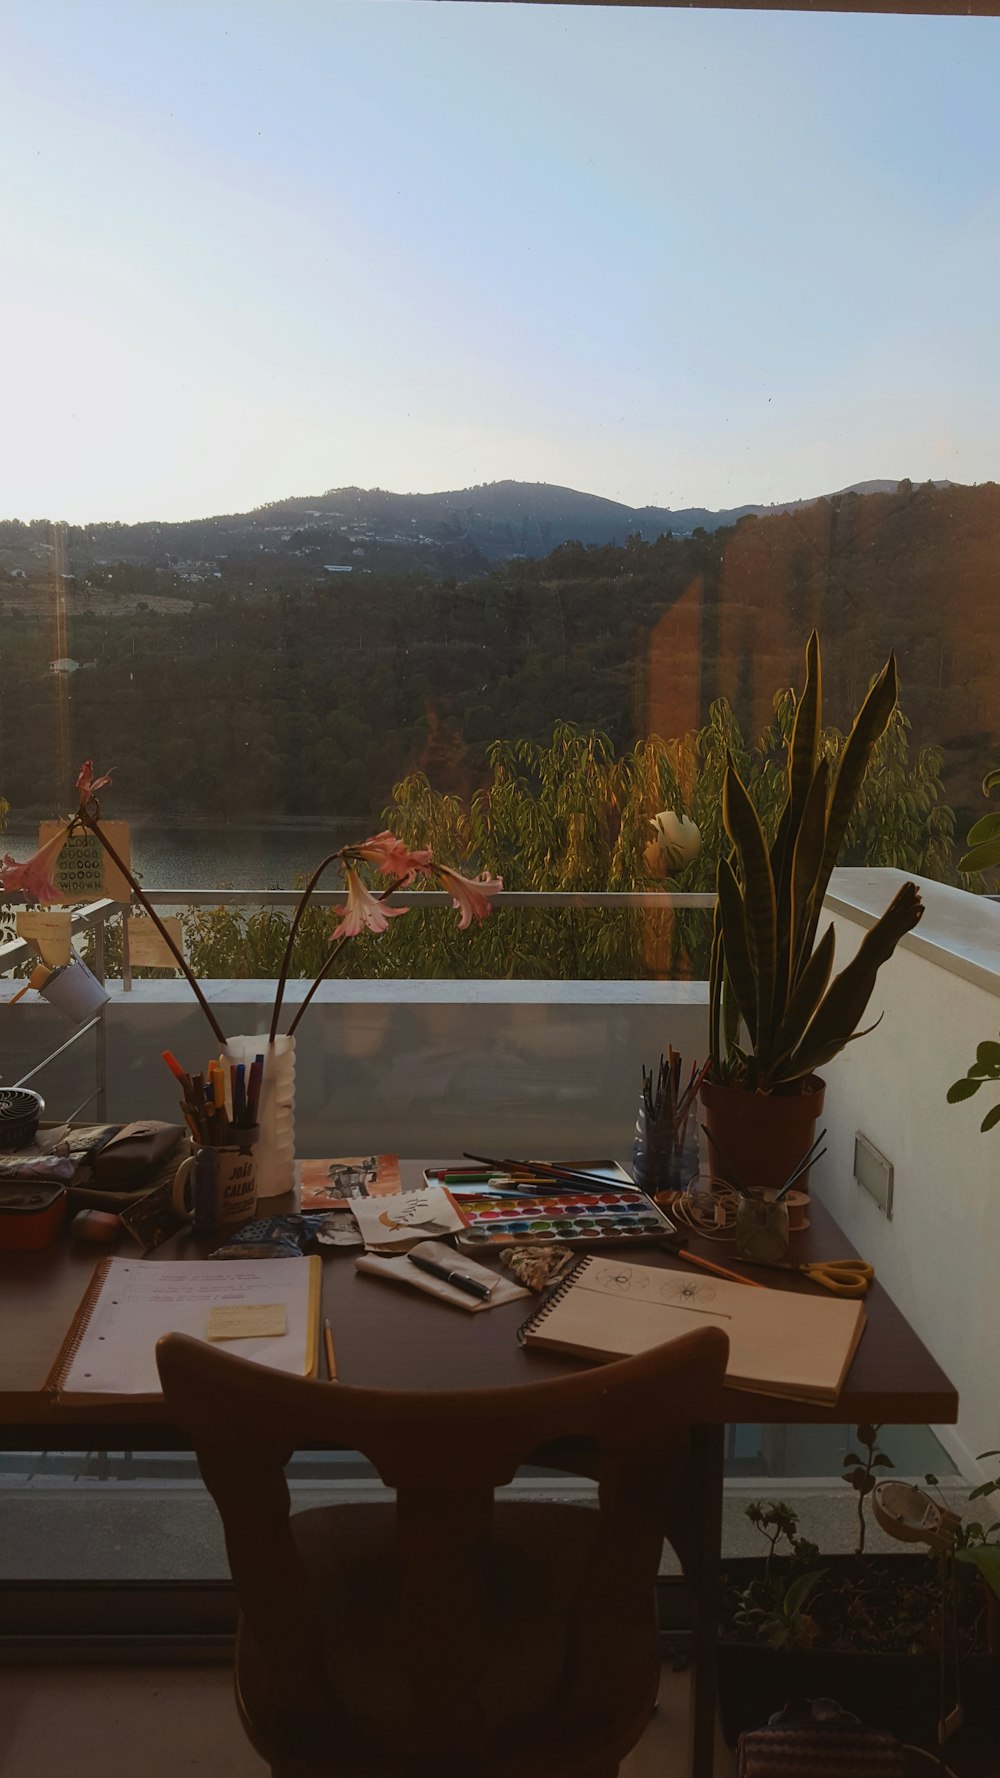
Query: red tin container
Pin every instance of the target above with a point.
(31, 1214)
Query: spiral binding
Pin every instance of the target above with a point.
(554, 1296)
(77, 1328)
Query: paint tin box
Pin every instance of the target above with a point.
(619, 1215)
(31, 1214)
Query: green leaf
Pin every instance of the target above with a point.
(881, 1461)
(991, 1120)
(742, 824)
(985, 1557)
(986, 828)
(800, 1590)
(870, 725)
(867, 1434)
(850, 1460)
(980, 857)
(990, 780)
(842, 1007)
(734, 938)
(962, 1089)
(988, 1052)
(931, 1480)
(809, 990)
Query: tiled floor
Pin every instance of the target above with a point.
(180, 1722)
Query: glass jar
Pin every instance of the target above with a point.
(761, 1229)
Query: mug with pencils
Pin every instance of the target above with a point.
(217, 1185)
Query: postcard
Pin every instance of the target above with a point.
(331, 1185)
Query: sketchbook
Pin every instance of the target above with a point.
(130, 1303)
(781, 1342)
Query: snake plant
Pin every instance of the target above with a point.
(770, 980)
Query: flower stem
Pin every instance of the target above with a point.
(94, 827)
(383, 895)
(304, 900)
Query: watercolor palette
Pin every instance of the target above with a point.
(570, 1218)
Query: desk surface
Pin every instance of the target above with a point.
(394, 1337)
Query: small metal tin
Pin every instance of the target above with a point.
(31, 1214)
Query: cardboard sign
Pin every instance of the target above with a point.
(146, 947)
(81, 869)
(51, 931)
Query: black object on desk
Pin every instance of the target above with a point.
(452, 1275)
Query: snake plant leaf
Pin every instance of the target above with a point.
(981, 857)
(870, 725)
(805, 734)
(807, 862)
(991, 779)
(715, 990)
(844, 1002)
(802, 749)
(734, 939)
(809, 991)
(742, 824)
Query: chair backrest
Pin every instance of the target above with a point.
(444, 1453)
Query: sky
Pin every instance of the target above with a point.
(269, 248)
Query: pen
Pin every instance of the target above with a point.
(461, 1280)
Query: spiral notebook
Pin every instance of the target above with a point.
(781, 1342)
(110, 1348)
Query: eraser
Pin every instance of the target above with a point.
(100, 1226)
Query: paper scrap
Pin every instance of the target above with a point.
(51, 929)
(247, 1321)
(81, 869)
(146, 948)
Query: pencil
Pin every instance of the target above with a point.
(331, 1360)
(708, 1265)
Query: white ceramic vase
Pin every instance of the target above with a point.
(275, 1110)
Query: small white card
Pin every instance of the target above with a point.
(395, 1223)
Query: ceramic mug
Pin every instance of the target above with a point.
(217, 1184)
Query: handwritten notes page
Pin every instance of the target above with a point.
(780, 1342)
(134, 1302)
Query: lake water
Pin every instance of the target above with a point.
(219, 858)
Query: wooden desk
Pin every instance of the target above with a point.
(387, 1337)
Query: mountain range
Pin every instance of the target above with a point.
(456, 534)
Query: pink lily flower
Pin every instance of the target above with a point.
(363, 910)
(86, 784)
(469, 895)
(392, 858)
(31, 879)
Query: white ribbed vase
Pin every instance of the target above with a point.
(275, 1110)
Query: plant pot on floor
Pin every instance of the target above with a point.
(894, 1691)
(762, 1136)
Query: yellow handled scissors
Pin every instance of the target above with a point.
(845, 1277)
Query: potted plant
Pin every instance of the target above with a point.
(775, 1015)
(864, 1629)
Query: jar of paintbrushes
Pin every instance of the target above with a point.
(665, 1146)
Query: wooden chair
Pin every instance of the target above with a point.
(448, 1635)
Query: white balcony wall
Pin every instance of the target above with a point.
(414, 1068)
(939, 1256)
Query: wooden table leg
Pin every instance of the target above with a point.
(708, 1447)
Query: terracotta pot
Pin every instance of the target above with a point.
(762, 1136)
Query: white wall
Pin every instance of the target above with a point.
(939, 1257)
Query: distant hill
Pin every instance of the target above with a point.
(457, 534)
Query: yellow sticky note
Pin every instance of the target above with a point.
(247, 1321)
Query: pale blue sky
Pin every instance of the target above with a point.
(273, 247)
